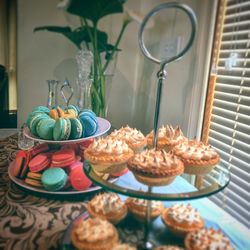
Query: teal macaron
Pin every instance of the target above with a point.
(43, 109)
(89, 122)
(62, 129)
(76, 128)
(35, 120)
(45, 128)
(31, 115)
(88, 112)
(54, 179)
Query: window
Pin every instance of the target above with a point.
(226, 124)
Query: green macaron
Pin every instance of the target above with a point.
(62, 129)
(31, 115)
(76, 128)
(54, 179)
(45, 128)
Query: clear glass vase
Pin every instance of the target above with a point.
(52, 93)
(84, 94)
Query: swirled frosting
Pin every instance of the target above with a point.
(155, 158)
(92, 230)
(195, 150)
(107, 203)
(131, 135)
(209, 239)
(109, 145)
(184, 213)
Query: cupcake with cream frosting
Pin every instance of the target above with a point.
(94, 234)
(181, 219)
(107, 206)
(155, 167)
(209, 239)
(168, 137)
(197, 157)
(108, 155)
(138, 207)
(133, 137)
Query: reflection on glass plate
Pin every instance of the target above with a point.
(104, 126)
(25, 186)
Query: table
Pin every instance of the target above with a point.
(31, 222)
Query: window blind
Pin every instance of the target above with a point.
(229, 115)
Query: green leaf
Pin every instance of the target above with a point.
(79, 35)
(94, 10)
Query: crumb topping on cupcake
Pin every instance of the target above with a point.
(184, 213)
(107, 203)
(209, 239)
(109, 145)
(92, 230)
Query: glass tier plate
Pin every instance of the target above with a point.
(104, 127)
(69, 193)
(131, 232)
(182, 188)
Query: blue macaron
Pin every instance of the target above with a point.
(54, 179)
(89, 122)
(35, 120)
(62, 129)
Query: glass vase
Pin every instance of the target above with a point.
(52, 94)
(84, 94)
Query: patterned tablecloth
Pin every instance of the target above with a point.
(27, 221)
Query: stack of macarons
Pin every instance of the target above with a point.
(62, 124)
(51, 169)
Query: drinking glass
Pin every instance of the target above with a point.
(24, 142)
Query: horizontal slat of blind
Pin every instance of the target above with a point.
(231, 211)
(228, 114)
(245, 137)
(232, 88)
(235, 16)
(230, 206)
(235, 33)
(229, 123)
(234, 195)
(238, 6)
(230, 106)
(243, 41)
(233, 77)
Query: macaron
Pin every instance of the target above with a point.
(40, 148)
(89, 122)
(33, 179)
(30, 116)
(45, 128)
(35, 120)
(43, 109)
(54, 179)
(63, 158)
(75, 108)
(39, 162)
(21, 164)
(89, 112)
(78, 179)
(62, 129)
(76, 129)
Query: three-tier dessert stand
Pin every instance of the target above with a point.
(167, 193)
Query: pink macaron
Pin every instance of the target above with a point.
(63, 158)
(40, 148)
(39, 163)
(78, 179)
